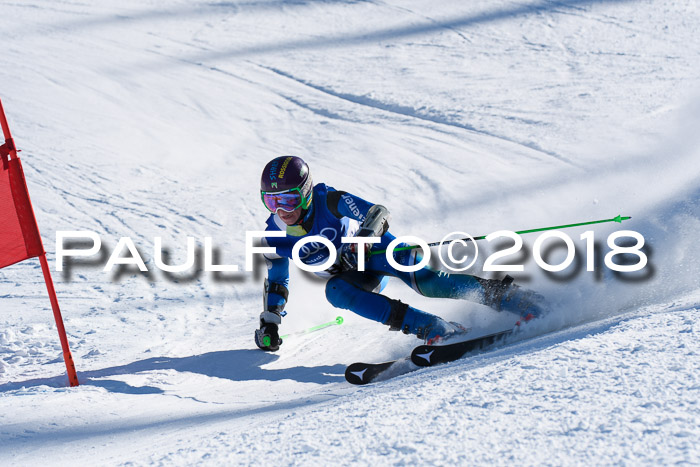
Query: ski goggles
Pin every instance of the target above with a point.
(288, 201)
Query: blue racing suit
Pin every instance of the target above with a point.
(335, 214)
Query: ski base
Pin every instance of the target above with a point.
(429, 355)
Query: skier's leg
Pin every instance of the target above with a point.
(357, 292)
(500, 295)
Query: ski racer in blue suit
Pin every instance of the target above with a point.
(302, 209)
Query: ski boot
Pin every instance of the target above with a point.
(503, 295)
(432, 329)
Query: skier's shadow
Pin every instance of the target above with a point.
(234, 365)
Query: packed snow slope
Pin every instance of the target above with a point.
(147, 119)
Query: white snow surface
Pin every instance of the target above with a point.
(148, 119)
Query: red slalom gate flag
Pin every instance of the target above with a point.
(19, 236)
(19, 232)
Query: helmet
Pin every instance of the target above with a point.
(286, 184)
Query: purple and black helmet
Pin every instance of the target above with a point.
(286, 184)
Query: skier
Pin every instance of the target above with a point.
(300, 208)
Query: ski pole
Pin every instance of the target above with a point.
(617, 219)
(337, 321)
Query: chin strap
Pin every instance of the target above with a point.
(303, 216)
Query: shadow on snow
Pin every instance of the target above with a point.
(234, 365)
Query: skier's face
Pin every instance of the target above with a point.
(289, 218)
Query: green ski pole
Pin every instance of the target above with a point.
(618, 219)
(338, 321)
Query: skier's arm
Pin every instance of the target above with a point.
(275, 293)
(276, 288)
(374, 218)
(376, 222)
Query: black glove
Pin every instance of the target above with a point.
(268, 337)
(348, 255)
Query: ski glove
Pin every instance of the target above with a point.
(376, 224)
(348, 256)
(268, 337)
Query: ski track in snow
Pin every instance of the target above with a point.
(408, 112)
(147, 119)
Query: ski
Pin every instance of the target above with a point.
(423, 355)
(364, 373)
(429, 355)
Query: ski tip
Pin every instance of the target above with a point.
(357, 374)
(422, 354)
(365, 373)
